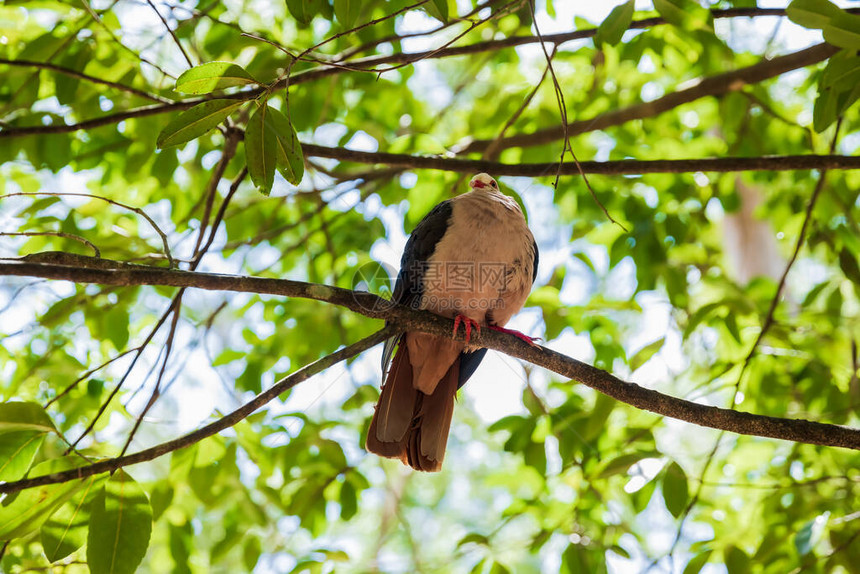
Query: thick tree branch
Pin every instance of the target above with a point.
(715, 85)
(502, 43)
(91, 270)
(710, 86)
(81, 76)
(224, 422)
(620, 167)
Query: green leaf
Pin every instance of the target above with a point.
(843, 30)
(697, 562)
(305, 10)
(846, 539)
(842, 72)
(181, 547)
(737, 561)
(260, 150)
(474, 538)
(23, 426)
(732, 326)
(623, 462)
(116, 326)
(803, 539)
(19, 416)
(596, 425)
(120, 526)
(195, 122)
(251, 552)
(17, 450)
(27, 510)
(347, 11)
(288, 150)
(811, 13)
(825, 110)
(675, 490)
(437, 9)
(67, 86)
(848, 264)
(212, 76)
(687, 14)
(227, 356)
(348, 501)
(66, 530)
(616, 23)
(644, 354)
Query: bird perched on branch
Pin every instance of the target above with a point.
(473, 259)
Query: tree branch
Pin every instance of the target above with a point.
(710, 86)
(86, 77)
(91, 270)
(620, 167)
(714, 85)
(224, 422)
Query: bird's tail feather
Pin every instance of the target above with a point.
(409, 425)
(428, 435)
(393, 415)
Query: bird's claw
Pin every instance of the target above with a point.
(517, 334)
(467, 325)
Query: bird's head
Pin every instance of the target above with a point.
(483, 182)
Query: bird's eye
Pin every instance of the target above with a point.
(494, 184)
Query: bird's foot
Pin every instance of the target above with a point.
(467, 325)
(517, 334)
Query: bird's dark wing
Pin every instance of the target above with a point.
(469, 364)
(534, 272)
(419, 247)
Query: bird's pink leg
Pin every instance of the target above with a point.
(517, 334)
(467, 325)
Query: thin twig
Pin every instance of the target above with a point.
(221, 210)
(138, 353)
(156, 392)
(95, 16)
(562, 110)
(136, 210)
(223, 423)
(86, 77)
(87, 375)
(231, 141)
(172, 33)
(62, 234)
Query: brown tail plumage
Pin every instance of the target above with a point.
(408, 424)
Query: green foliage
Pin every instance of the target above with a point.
(614, 26)
(197, 121)
(260, 149)
(838, 87)
(347, 11)
(27, 511)
(22, 429)
(687, 14)
(212, 76)
(120, 524)
(553, 477)
(67, 529)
